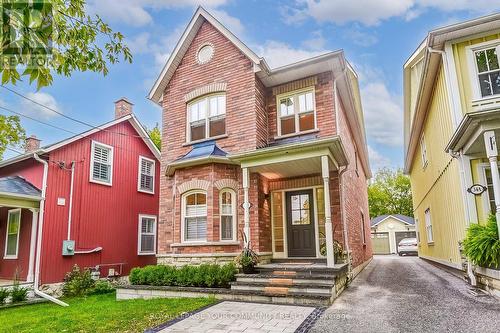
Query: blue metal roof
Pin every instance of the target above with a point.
(404, 218)
(17, 185)
(203, 149)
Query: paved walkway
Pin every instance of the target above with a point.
(407, 294)
(231, 317)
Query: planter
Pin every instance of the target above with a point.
(248, 269)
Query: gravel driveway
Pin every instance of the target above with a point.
(407, 294)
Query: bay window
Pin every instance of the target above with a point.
(207, 117)
(296, 112)
(227, 214)
(194, 216)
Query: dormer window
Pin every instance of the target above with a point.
(488, 70)
(207, 117)
(296, 112)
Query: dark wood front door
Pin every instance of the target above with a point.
(300, 224)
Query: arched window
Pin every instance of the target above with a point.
(207, 117)
(194, 207)
(227, 214)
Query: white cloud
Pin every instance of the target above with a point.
(316, 42)
(278, 54)
(359, 37)
(230, 22)
(377, 160)
(33, 109)
(369, 12)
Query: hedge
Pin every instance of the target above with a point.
(205, 275)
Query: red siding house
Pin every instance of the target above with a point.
(277, 155)
(90, 200)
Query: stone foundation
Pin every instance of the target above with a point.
(204, 258)
(489, 280)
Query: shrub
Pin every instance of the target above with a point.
(4, 293)
(482, 245)
(205, 275)
(101, 287)
(18, 293)
(78, 282)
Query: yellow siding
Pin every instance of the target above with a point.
(437, 186)
(462, 68)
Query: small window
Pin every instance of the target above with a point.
(296, 113)
(423, 151)
(207, 117)
(12, 234)
(227, 214)
(147, 235)
(488, 71)
(428, 226)
(363, 232)
(195, 216)
(101, 163)
(146, 181)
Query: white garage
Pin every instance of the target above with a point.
(396, 227)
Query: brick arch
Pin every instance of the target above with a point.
(208, 89)
(195, 184)
(226, 183)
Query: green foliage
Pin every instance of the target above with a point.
(18, 293)
(205, 275)
(247, 258)
(101, 287)
(80, 42)
(155, 135)
(11, 132)
(482, 245)
(390, 193)
(78, 282)
(4, 293)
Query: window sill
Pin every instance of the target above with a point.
(278, 137)
(204, 140)
(146, 254)
(430, 243)
(188, 244)
(10, 258)
(100, 182)
(145, 191)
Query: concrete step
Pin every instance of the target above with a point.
(279, 297)
(280, 279)
(299, 260)
(300, 270)
(283, 289)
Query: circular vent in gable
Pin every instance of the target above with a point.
(205, 53)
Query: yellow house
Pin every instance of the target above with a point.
(451, 123)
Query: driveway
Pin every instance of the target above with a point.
(407, 294)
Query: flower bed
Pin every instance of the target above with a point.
(205, 275)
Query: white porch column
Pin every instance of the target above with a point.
(492, 153)
(34, 228)
(325, 172)
(246, 205)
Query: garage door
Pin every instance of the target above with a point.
(380, 243)
(404, 234)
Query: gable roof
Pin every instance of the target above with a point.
(403, 218)
(17, 186)
(46, 149)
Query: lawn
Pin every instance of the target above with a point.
(99, 313)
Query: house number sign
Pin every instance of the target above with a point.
(477, 189)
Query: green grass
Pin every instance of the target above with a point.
(99, 313)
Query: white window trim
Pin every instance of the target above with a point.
(139, 189)
(233, 213)
(92, 180)
(183, 217)
(12, 257)
(296, 112)
(473, 72)
(485, 197)
(423, 152)
(431, 241)
(139, 233)
(207, 119)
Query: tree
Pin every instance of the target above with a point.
(390, 193)
(11, 133)
(155, 135)
(54, 36)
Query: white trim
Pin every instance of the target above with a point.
(385, 218)
(485, 196)
(139, 189)
(139, 234)
(6, 256)
(423, 151)
(111, 154)
(470, 50)
(294, 95)
(20, 196)
(428, 223)
(234, 214)
(183, 216)
(454, 91)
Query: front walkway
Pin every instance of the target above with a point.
(407, 294)
(231, 317)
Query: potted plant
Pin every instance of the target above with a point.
(247, 259)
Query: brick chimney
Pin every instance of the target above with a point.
(123, 107)
(32, 144)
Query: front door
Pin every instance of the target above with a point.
(300, 223)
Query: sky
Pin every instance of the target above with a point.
(378, 36)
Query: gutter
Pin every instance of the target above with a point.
(39, 236)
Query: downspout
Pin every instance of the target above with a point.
(344, 222)
(70, 208)
(39, 236)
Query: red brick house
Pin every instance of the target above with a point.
(90, 200)
(278, 155)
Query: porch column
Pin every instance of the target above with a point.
(492, 153)
(325, 172)
(34, 228)
(246, 205)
